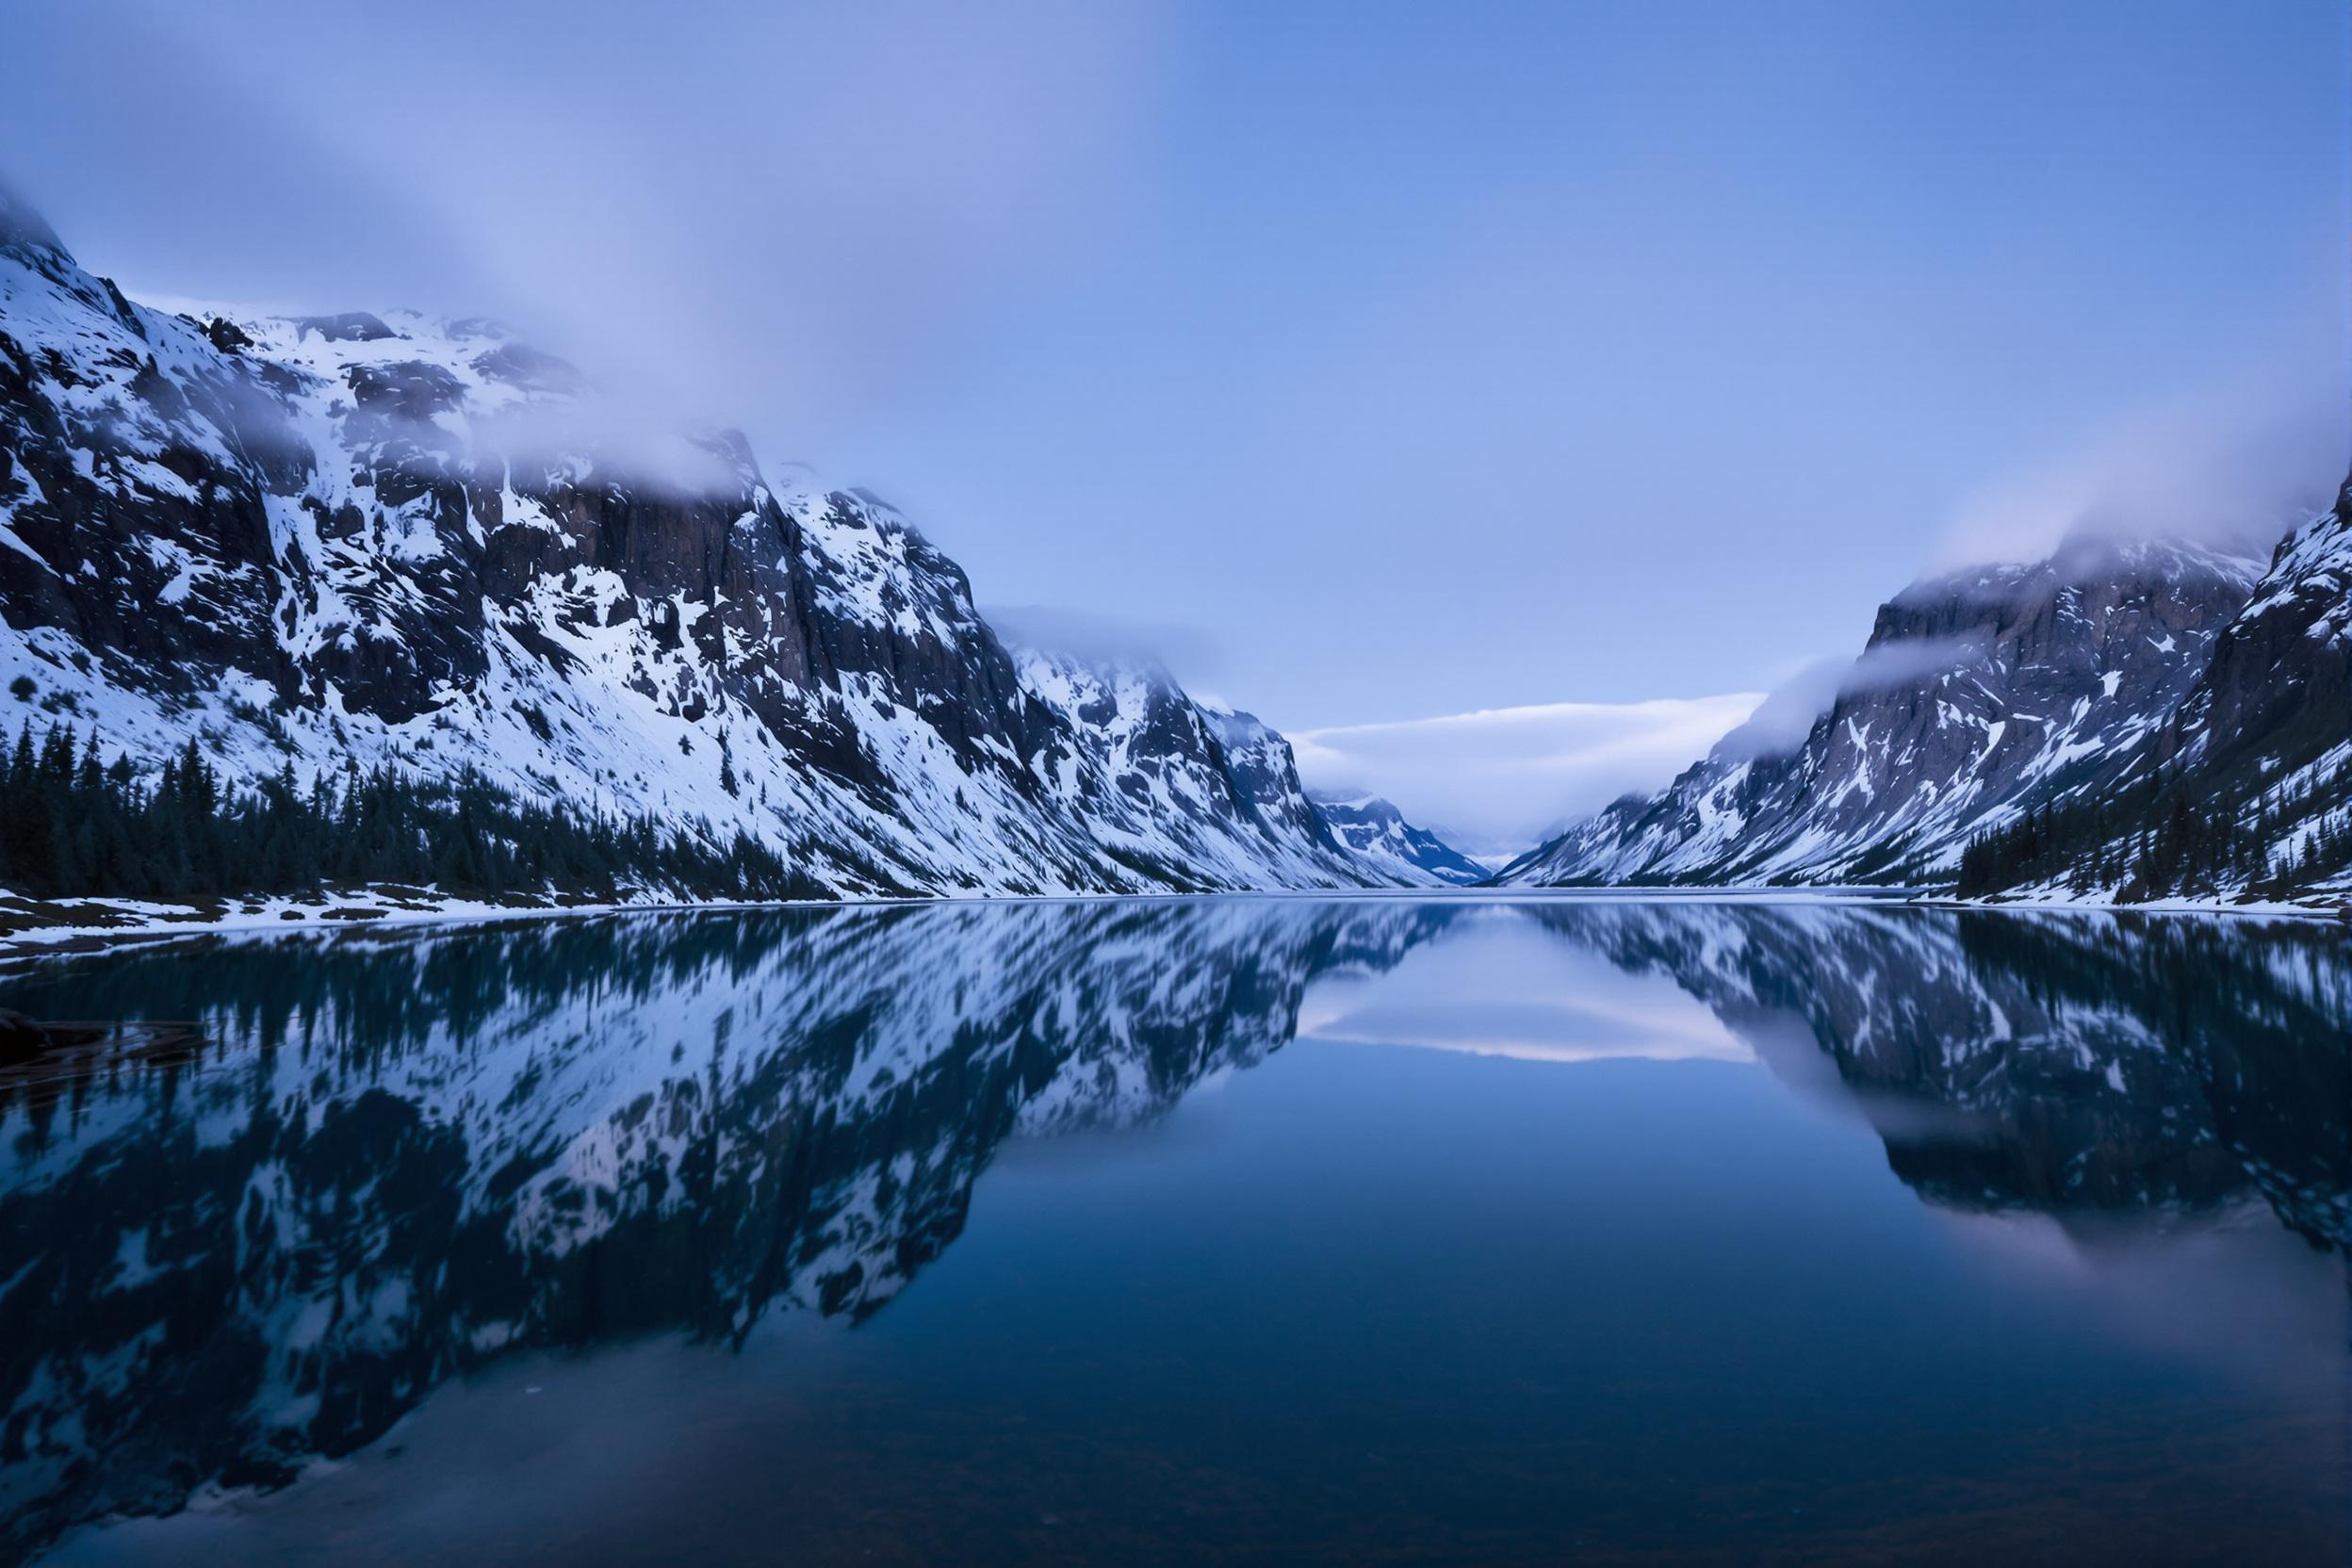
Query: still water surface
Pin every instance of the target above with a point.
(1229, 1229)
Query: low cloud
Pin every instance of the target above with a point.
(1108, 638)
(1784, 718)
(2234, 467)
(1497, 780)
(774, 216)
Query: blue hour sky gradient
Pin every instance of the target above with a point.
(1374, 363)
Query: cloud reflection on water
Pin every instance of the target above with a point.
(1509, 990)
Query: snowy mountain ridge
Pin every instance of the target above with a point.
(1375, 830)
(1157, 770)
(314, 542)
(1993, 692)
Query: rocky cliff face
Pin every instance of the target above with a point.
(2274, 703)
(2245, 790)
(397, 541)
(1981, 693)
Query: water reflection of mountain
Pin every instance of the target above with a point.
(2068, 1064)
(399, 1156)
(406, 1155)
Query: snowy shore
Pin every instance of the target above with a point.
(35, 928)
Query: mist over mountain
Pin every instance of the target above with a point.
(2129, 720)
(287, 548)
(2235, 468)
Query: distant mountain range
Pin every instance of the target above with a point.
(367, 541)
(2122, 721)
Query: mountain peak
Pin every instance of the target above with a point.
(1375, 829)
(23, 229)
(1979, 691)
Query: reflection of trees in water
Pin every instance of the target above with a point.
(402, 1155)
(407, 1156)
(2085, 1062)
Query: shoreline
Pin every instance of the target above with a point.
(134, 922)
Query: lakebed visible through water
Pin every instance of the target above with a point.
(1434, 1231)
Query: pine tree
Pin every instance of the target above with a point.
(73, 826)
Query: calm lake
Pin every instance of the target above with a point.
(1376, 1229)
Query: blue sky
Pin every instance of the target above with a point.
(1374, 362)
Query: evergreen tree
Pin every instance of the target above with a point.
(73, 824)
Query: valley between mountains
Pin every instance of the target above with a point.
(381, 604)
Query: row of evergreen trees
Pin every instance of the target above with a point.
(2160, 839)
(71, 824)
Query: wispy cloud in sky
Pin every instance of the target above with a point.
(1499, 778)
(774, 216)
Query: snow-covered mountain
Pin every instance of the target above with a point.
(385, 539)
(2271, 714)
(1982, 693)
(1375, 831)
(2245, 790)
(1182, 790)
